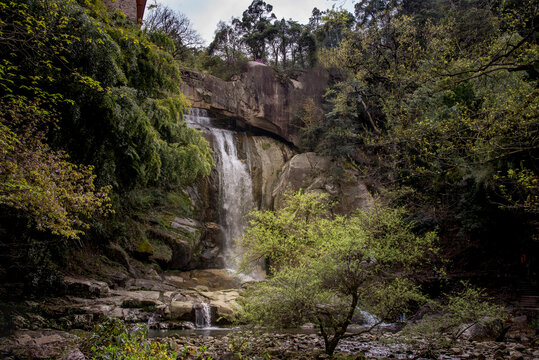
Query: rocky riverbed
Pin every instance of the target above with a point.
(384, 345)
(52, 344)
(51, 328)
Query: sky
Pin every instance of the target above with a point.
(205, 14)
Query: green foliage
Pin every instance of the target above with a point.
(194, 353)
(77, 80)
(114, 340)
(124, 113)
(55, 194)
(324, 266)
(442, 98)
(457, 313)
(246, 344)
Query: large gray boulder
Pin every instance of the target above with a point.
(313, 172)
(266, 159)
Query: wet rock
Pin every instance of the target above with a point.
(86, 288)
(181, 310)
(188, 225)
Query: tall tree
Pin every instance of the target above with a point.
(176, 25)
(257, 28)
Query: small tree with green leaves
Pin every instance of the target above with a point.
(324, 267)
(455, 314)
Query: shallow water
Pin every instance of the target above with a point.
(222, 331)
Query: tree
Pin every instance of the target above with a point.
(456, 313)
(53, 193)
(428, 88)
(324, 267)
(37, 181)
(257, 28)
(89, 103)
(175, 25)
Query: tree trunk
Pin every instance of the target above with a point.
(331, 343)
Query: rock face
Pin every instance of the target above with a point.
(257, 99)
(313, 172)
(266, 158)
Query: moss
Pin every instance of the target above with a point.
(144, 247)
(162, 253)
(179, 201)
(266, 146)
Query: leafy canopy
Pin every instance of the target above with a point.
(324, 266)
(78, 80)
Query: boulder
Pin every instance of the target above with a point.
(181, 310)
(267, 158)
(73, 355)
(485, 330)
(317, 173)
(182, 255)
(86, 288)
(214, 279)
(37, 344)
(223, 303)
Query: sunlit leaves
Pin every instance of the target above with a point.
(55, 194)
(324, 265)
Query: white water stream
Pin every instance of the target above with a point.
(203, 316)
(235, 185)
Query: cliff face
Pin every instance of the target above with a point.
(257, 99)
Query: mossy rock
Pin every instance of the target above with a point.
(144, 249)
(162, 253)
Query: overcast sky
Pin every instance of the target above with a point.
(205, 14)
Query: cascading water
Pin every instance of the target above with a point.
(235, 184)
(203, 316)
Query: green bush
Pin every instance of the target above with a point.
(451, 317)
(114, 340)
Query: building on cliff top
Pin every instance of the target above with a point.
(134, 9)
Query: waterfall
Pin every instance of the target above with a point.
(235, 184)
(235, 191)
(203, 316)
